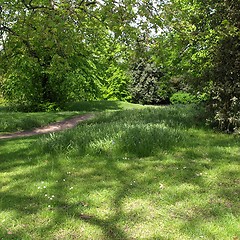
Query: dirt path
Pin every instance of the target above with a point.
(53, 127)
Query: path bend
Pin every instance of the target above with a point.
(50, 128)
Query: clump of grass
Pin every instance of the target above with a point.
(139, 133)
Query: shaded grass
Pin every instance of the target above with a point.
(151, 173)
(100, 106)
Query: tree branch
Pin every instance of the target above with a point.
(97, 18)
(7, 29)
(32, 52)
(81, 3)
(29, 6)
(90, 3)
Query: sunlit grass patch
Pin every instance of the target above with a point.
(11, 121)
(151, 173)
(137, 132)
(18, 121)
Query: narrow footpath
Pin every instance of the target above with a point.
(53, 127)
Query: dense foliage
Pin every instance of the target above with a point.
(147, 86)
(201, 46)
(224, 102)
(53, 52)
(42, 51)
(50, 54)
(183, 98)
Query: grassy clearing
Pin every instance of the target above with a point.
(18, 121)
(150, 173)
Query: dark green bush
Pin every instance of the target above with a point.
(147, 86)
(224, 103)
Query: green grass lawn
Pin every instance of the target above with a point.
(18, 121)
(135, 173)
(11, 121)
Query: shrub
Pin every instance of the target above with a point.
(183, 98)
(223, 105)
(146, 86)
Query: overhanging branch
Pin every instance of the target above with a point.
(31, 51)
(29, 6)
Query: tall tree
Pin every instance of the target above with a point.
(50, 49)
(43, 44)
(201, 44)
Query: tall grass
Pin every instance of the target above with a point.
(138, 133)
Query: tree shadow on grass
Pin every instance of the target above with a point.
(16, 199)
(94, 106)
(127, 179)
(16, 153)
(109, 170)
(14, 196)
